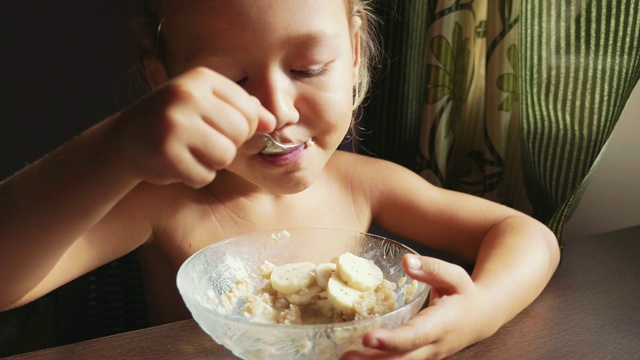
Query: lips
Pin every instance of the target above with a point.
(287, 157)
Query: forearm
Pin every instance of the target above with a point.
(515, 262)
(50, 204)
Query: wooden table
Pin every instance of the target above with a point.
(588, 310)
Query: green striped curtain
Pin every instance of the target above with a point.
(511, 100)
(580, 62)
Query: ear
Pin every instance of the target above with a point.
(355, 45)
(154, 71)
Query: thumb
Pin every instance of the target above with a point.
(448, 278)
(266, 121)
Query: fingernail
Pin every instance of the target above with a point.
(373, 343)
(414, 262)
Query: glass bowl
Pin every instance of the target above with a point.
(213, 271)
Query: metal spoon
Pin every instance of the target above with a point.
(272, 146)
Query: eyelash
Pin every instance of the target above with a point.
(311, 73)
(301, 73)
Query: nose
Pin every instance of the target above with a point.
(277, 93)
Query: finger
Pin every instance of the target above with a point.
(199, 179)
(235, 122)
(258, 117)
(227, 120)
(423, 353)
(192, 172)
(418, 332)
(266, 121)
(371, 354)
(448, 278)
(212, 149)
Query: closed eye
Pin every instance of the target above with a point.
(310, 73)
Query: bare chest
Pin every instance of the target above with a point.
(198, 224)
(201, 225)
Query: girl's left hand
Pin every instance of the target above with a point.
(459, 314)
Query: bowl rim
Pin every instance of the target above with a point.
(343, 324)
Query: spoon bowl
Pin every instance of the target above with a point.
(273, 147)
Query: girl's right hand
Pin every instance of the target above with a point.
(188, 129)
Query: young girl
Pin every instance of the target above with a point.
(184, 167)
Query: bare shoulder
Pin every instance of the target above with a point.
(382, 184)
(371, 171)
(357, 162)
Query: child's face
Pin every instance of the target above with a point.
(297, 57)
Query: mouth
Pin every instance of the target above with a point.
(287, 156)
(274, 148)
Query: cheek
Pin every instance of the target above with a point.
(335, 97)
(330, 111)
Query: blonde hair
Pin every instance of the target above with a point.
(362, 15)
(369, 48)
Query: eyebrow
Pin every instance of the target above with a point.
(318, 36)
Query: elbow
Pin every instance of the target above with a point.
(10, 301)
(6, 306)
(554, 252)
(551, 246)
(537, 240)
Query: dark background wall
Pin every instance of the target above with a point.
(63, 67)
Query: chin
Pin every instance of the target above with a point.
(287, 180)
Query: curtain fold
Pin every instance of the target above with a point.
(392, 112)
(580, 63)
(511, 100)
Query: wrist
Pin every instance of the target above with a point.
(111, 152)
(108, 153)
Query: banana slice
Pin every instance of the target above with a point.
(305, 295)
(323, 273)
(291, 278)
(359, 273)
(341, 295)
